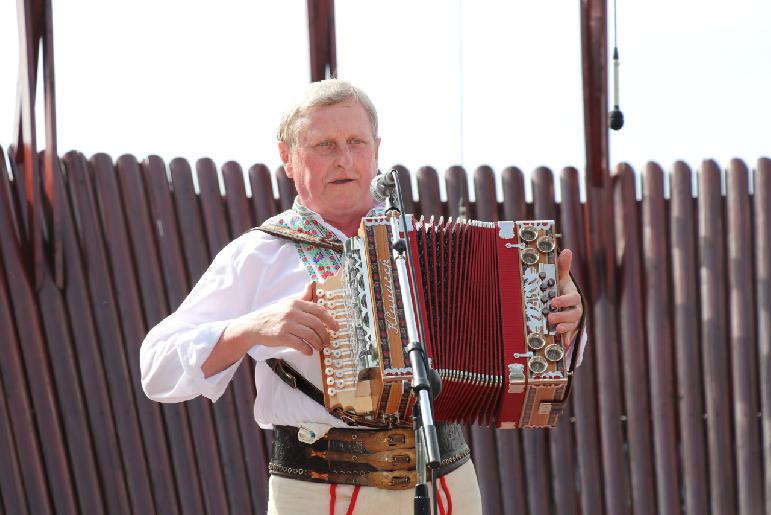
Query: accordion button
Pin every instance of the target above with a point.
(545, 310)
(528, 233)
(542, 275)
(545, 298)
(551, 282)
(544, 287)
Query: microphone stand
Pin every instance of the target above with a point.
(426, 442)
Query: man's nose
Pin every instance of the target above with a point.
(344, 156)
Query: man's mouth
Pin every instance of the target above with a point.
(342, 181)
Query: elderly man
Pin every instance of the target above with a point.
(255, 299)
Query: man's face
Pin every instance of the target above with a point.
(333, 160)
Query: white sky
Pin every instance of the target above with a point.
(455, 82)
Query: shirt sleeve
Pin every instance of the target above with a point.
(173, 352)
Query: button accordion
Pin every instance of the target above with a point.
(482, 291)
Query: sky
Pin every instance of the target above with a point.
(455, 82)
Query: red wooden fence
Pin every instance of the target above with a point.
(670, 412)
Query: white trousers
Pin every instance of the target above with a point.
(458, 493)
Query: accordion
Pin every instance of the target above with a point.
(482, 291)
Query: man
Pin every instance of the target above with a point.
(255, 299)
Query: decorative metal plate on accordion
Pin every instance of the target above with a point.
(483, 290)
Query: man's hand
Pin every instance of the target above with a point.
(569, 300)
(297, 323)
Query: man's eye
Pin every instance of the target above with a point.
(324, 144)
(356, 141)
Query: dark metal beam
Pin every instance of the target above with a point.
(321, 39)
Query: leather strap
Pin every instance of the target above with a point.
(295, 379)
(299, 237)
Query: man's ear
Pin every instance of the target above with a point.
(286, 157)
(377, 147)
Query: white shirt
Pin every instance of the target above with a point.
(250, 273)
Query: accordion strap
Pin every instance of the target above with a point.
(287, 233)
(293, 378)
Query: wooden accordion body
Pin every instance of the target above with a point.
(482, 290)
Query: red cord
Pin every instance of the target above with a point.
(332, 496)
(353, 501)
(446, 494)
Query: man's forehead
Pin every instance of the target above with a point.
(347, 115)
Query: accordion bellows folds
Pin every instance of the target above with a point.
(482, 290)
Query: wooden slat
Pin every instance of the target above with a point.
(632, 340)
(558, 442)
(263, 202)
(177, 285)
(212, 204)
(762, 236)
(743, 343)
(602, 290)
(584, 400)
(37, 367)
(150, 281)
(714, 335)
(456, 183)
(255, 453)
(109, 336)
(511, 456)
(119, 251)
(428, 192)
(405, 182)
(196, 258)
(225, 409)
(685, 295)
(660, 344)
(483, 438)
(11, 487)
(286, 189)
(56, 325)
(17, 395)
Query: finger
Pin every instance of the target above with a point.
(566, 327)
(568, 300)
(298, 344)
(307, 293)
(308, 336)
(319, 312)
(319, 331)
(564, 261)
(568, 315)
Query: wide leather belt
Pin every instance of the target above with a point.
(366, 457)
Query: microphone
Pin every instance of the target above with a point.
(383, 185)
(615, 117)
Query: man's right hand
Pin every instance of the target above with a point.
(297, 323)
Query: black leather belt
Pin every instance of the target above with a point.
(366, 457)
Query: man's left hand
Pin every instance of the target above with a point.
(569, 301)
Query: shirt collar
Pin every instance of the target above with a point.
(297, 207)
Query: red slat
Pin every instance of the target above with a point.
(150, 283)
(37, 365)
(559, 439)
(286, 189)
(744, 357)
(200, 410)
(685, 296)
(263, 202)
(660, 345)
(584, 400)
(243, 382)
(108, 329)
(456, 183)
(16, 392)
(632, 340)
(601, 289)
(90, 363)
(714, 334)
(428, 192)
(511, 457)
(762, 235)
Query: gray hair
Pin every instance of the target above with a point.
(323, 93)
